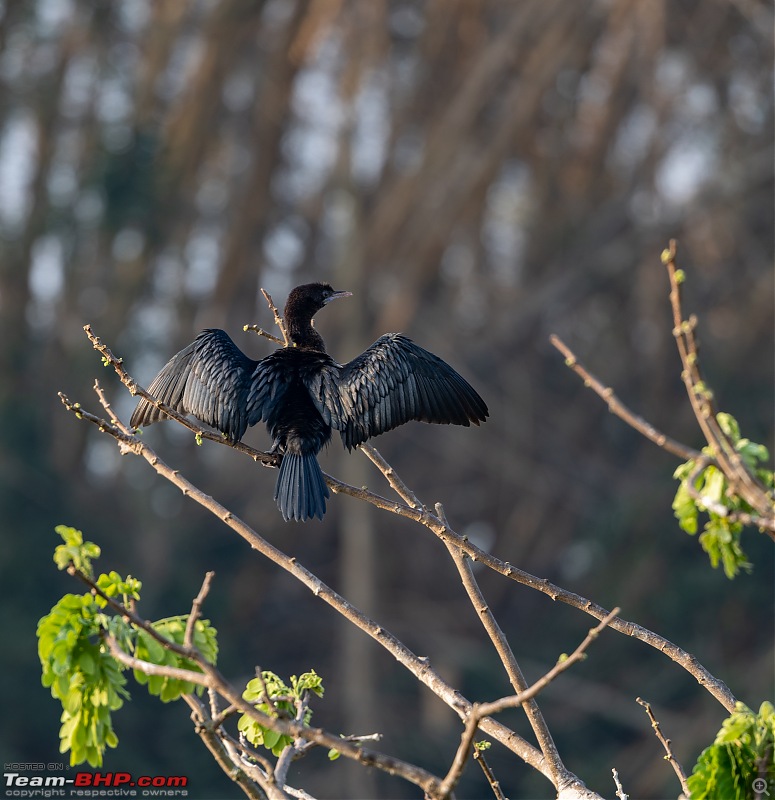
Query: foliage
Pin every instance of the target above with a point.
(83, 675)
(273, 697)
(149, 649)
(741, 756)
(721, 535)
(77, 664)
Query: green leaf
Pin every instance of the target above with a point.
(742, 748)
(282, 699)
(149, 649)
(74, 550)
(729, 425)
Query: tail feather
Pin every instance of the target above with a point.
(301, 490)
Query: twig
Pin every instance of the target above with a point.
(278, 320)
(134, 388)
(196, 610)
(488, 773)
(620, 793)
(461, 755)
(615, 406)
(261, 332)
(669, 757)
(578, 654)
(481, 710)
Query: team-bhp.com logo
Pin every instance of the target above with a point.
(83, 784)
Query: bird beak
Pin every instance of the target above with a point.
(337, 295)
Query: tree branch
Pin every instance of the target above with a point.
(131, 443)
(615, 406)
(211, 678)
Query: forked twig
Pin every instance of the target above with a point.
(278, 320)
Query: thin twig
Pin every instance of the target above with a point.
(196, 609)
(665, 742)
(615, 406)
(486, 709)
(261, 332)
(461, 755)
(488, 774)
(278, 320)
(480, 711)
(134, 388)
(620, 793)
(212, 741)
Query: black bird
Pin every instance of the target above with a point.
(301, 393)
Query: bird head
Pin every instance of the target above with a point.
(309, 298)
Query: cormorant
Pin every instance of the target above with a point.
(301, 393)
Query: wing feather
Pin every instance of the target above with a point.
(213, 380)
(392, 382)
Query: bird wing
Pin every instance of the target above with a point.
(392, 382)
(211, 379)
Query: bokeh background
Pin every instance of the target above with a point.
(480, 174)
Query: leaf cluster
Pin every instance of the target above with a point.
(77, 664)
(149, 649)
(721, 532)
(272, 696)
(740, 757)
(82, 675)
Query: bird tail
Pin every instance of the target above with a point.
(301, 490)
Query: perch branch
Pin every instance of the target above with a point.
(130, 443)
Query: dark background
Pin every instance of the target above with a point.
(479, 174)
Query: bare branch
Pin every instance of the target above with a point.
(507, 658)
(564, 663)
(615, 406)
(488, 773)
(620, 793)
(261, 332)
(461, 755)
(665, 742)
(278, 320)
(196, 610)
